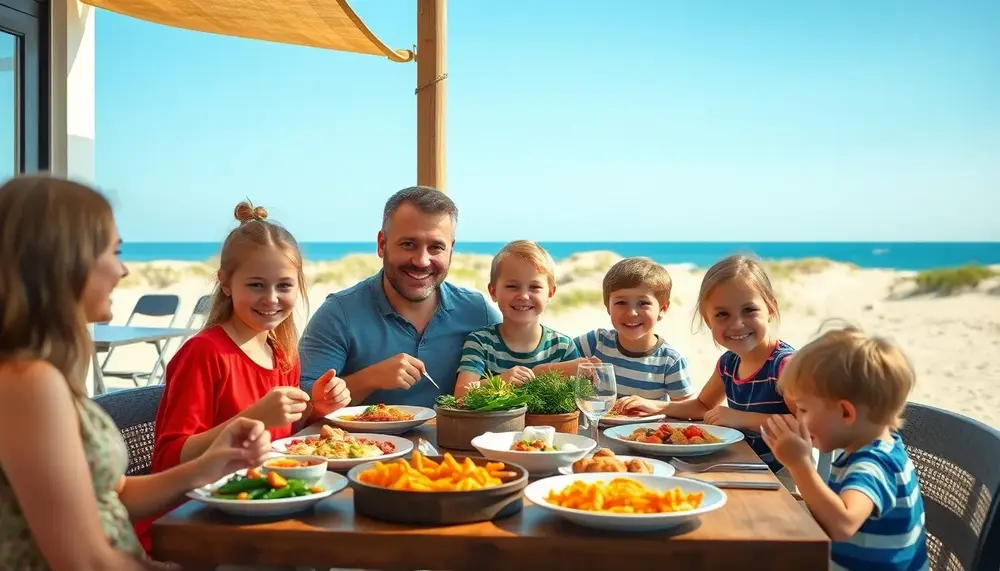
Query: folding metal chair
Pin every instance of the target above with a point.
(150, 305)
(200, 313)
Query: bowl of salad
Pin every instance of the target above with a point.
(540, 449)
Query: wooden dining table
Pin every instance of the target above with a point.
(755, 530)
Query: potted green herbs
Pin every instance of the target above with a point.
(551, 399)
(494, 406)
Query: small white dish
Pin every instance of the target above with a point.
(402, 448)
(420, 416)
(620, 420)
(713, 499)
(728, 437)
(496, 446)
(660, 468)
(330, 482)
(311, 473)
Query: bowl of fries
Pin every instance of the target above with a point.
(625, 502)
(437, 490)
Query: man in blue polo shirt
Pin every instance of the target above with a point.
(382, 334)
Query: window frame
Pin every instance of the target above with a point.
(28, 21)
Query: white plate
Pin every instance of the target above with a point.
(619, 420)
(496, 446)
(714, 499)
(420, 416)
(660, 468)
(403, 447)
(331, 483)
(728, 436)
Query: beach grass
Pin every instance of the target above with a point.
(575, 299)
(155, 276)
(350, 268)
(791, 269)
(949, 281)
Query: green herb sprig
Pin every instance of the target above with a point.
(494, 394)
(554, 393)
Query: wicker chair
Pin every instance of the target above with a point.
(134, 412)
(958, 465)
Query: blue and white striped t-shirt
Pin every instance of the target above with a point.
(893, 537)
(485, 351)
(653, 374)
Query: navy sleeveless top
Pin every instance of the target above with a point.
(757, 393)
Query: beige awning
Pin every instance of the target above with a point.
(328, 24)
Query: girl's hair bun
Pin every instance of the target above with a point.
(247, 212)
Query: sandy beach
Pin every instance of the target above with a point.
(953, 339)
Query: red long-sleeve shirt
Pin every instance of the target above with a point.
(208, 381)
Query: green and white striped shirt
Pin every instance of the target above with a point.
(485, 351)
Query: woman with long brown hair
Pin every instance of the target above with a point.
(65, 503)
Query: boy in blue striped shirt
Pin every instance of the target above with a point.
(849, 390)
(637, 295)
(522, 282)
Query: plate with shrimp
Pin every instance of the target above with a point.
(381, 418)
(675, 438)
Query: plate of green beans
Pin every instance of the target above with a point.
(254, 493)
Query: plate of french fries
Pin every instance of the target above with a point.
(625, 502)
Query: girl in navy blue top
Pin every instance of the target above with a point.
(738, 305)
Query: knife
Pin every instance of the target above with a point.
(744, 485)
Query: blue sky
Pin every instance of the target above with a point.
(660, 120)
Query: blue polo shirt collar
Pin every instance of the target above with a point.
(445, 298)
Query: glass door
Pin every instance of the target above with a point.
(23, 100)
(10, 136)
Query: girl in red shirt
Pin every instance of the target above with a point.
(244, 362)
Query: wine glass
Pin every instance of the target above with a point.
(596, 404)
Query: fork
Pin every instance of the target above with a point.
(722, 466)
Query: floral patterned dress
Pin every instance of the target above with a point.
(107, 458)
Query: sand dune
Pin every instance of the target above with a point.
(953, 340)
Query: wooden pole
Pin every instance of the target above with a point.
(432, 76)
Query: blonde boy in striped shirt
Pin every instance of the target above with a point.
(522, 282)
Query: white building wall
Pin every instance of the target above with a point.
(72, 112)
(71, 83)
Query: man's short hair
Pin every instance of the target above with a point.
(427, 199)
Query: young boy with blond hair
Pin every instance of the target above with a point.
(522, 282)
(849, 390)
(637, 296)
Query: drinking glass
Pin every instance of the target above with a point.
(594, 406)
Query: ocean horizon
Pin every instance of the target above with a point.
(888, 255)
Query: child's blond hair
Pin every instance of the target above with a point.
(526, 251)
(844, 363)
(638, 272)
(741, 267)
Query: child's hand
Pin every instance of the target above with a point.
(789, 440)
(280, 407)
(637, 404)
(721, 416)
(518, 375)
(330, 393)
(244, 443)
